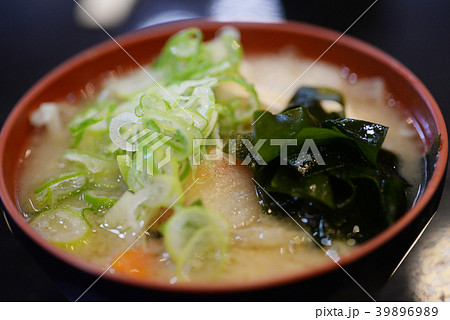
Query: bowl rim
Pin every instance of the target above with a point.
(228, 286)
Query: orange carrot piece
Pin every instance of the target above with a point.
(137, 263)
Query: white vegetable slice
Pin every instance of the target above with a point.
(227, 189)
(60, 226)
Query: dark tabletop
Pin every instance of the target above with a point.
(38, 35)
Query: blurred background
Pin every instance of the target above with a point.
(36, 36)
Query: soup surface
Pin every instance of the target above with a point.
(76, 190)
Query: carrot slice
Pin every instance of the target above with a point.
(136, 263)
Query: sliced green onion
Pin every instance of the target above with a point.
(156, 192)
(150, 102)
(91, 116)
(92, 162)
(100, 199)
(244, 113)
(72, 181)
(114, 130)
(61, 226)
(62, 187)
(193, 233)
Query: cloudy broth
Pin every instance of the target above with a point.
(261, 245)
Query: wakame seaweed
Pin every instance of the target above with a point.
(350, 189)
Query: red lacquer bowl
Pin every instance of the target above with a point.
(70, 78)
